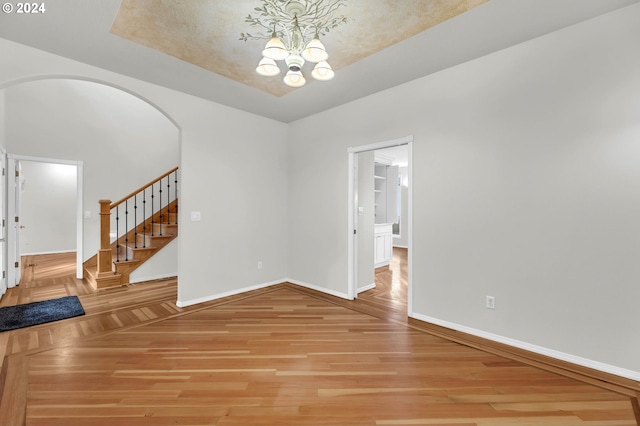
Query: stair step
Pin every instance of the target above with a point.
(173, 217)
(122, 251)
(148, 240)
(90, 271)
(125, 262)
(165, 228)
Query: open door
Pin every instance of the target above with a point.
(19, 185)
(3, 223)
(13, 229)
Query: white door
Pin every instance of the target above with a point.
(19, 186)
(3, 223)
(365, 219)
(13, 221)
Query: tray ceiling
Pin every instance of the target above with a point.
(206, 32)
(193, 46)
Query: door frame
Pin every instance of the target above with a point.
(5, 222)
(13, 256)
(353, 220)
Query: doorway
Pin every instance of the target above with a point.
(41, 211)
(365, 188)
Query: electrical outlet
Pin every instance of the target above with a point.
(491, 302)
(259, 265)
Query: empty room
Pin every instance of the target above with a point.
(321, 212)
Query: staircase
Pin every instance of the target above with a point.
(132, 230)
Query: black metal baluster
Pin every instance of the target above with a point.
(117, 233)
(144, 218)
(153, 228)
(168, 196)
(160, 205)
(175, 190)
(135, 221)
(126, 230)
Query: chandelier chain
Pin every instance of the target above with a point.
(318, 17)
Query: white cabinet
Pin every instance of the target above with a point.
(383, 244)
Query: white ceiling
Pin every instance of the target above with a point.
(81, 30)
(207, 32)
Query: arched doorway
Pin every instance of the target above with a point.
(118, 137)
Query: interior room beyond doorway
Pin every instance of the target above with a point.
(382, 226)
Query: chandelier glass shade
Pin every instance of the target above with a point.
(294, 79)
(268, 67)
(322, 71)
(275, 49)
(293, 29)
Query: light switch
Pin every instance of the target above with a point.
(360, 211)
(87, 214)
(195, 216)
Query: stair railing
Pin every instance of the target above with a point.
(129, 225)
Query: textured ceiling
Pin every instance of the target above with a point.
(83, 30)
(206, 32)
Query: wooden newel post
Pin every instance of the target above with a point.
(104, 254)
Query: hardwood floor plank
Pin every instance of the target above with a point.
(13, 404)
(281, 355)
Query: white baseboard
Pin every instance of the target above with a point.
(366, 287)
(584, 362)
(320, 289)
(152, 278)
(184, 304)
(48, 252)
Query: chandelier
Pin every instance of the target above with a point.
(293, 29)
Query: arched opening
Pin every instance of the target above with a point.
(122, 139)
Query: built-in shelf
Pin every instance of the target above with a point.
(385, 208)
(385, 190)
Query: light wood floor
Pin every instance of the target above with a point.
(277, 356)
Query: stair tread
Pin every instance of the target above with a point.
(129, 261)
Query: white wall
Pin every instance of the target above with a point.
(526, 184)
(233, 170)
(162, 266)
(237, 179)
(48, 208)
(2, 119)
